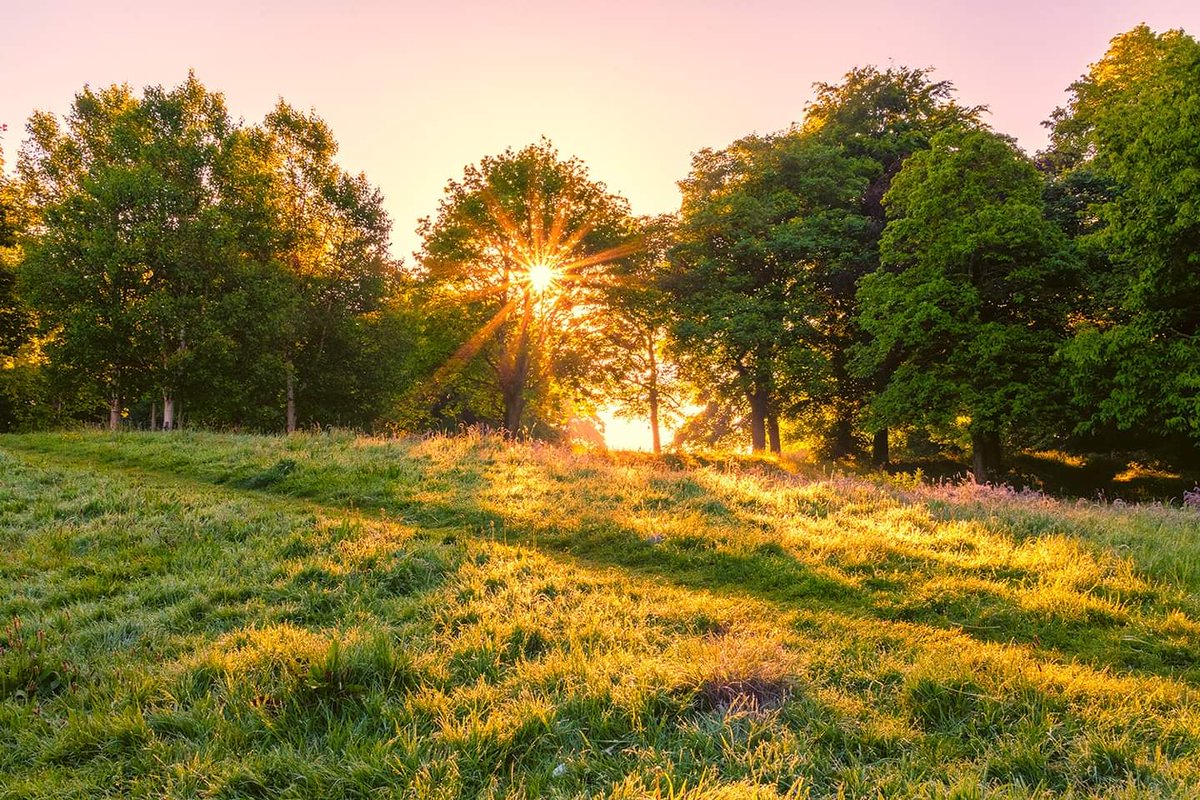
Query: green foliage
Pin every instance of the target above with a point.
(182, 256)
(156, 253)
(886, 115)
(760, 220)
(1132, 123)
(332, 247)
(973, 299)
(129, 269)
(643, 376)
(15, 319)
(778, 231)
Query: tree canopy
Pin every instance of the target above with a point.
(1131, 127)
(886, 271)
(972, 301)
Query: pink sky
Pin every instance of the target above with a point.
(414, 91)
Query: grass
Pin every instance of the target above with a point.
(202, 615)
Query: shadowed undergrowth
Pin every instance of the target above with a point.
(237, 616)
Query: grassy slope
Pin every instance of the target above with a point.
(206, 615)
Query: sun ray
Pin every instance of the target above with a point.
(538, 264)
(611, 254)
(470, 348)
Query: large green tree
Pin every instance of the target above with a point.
(14, 317)
(86, 270)
(180, 254)
(730, 291)
(143, 266)
(18, 352)
(766, 224)
(972, 300)
(134, 265)
(514, 259)
(777, 231)
(878, 117)
(1125, 153)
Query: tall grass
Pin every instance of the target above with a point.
(464, 617)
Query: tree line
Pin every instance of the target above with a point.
(889, 269)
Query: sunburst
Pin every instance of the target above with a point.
(542, 277)
(540, 269)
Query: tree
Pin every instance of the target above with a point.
(15, 322)
(764, 225)
(84, 271)
(878, 118)
(971, 303)
(180, 254)
(731, 293)
(1131, 130)
(637, 320)
(518, 248)
(134, 260)
(332, 247)
(18, 353)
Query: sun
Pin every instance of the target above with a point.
(542, 277)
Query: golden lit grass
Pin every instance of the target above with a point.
(330, 616)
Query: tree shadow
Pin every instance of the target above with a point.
(590, 520)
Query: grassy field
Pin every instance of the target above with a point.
(202, 615)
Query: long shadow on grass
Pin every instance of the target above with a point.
(457, 498)
(313, 709)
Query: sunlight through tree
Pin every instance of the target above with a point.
(521, 245)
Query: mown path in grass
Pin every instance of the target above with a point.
(897, 644)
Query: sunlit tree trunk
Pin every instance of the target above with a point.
(515, 372)
(773, 432)
(168, 419)
(758, 420)
(655, 437)
(291, 399)
(987, 456)
(114, 412)
(514, 407)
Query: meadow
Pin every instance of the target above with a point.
(218, 615)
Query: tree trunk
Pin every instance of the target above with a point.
(986, 456)
(758, 420)
(516, 373)
(880, 454)
(153, 416)
(656, 441)
(842, 444)
(773, 432)
(168, 413)
(843, 435)
(114, 412)
(514, 407)
(291, 399)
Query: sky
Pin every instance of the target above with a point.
(414, 91)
